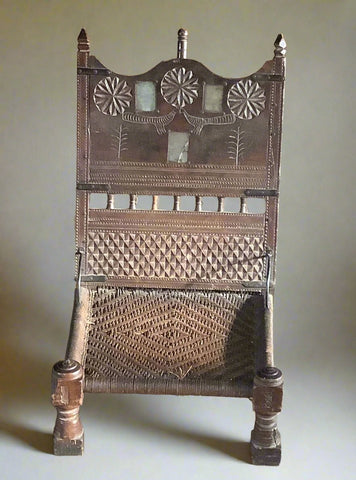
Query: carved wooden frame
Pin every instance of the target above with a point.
(163, 251)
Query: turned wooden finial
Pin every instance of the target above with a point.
(182, 43)
(280, 46)
(83, 42)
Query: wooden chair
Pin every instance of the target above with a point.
(175, 300)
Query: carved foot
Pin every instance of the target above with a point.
(267, 403)
(67, 397)
(66, 446)
(265, 445)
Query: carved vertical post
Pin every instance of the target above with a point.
(182, 43)
(220, 204)
(133, 201)
(268, 383)
(198, 203)
(110, 202)
(67, 376)
(176, 203)
(154, 202)
(267, 403)
(243, 205)
(82, 175)
(67, 397)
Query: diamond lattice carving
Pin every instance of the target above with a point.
(175, 256)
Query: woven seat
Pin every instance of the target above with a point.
(176, 266)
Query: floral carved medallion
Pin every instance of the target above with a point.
(179, 87)
(111, 96)
(246, 99)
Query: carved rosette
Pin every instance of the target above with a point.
(246, 99)
(179, 87)
(111, 96)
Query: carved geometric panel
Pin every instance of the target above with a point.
(171, 334)
(181, 256)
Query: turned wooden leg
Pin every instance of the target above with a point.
(67, 397)
(267, 403)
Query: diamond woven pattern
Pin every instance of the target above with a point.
(152, 333)
(175, 256)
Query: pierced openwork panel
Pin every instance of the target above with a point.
(172, 336)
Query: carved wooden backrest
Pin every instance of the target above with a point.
(166, 285)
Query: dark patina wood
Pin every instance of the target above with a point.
(175, 300)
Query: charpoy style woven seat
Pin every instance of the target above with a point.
(176, 265)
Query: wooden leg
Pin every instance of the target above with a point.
(67, 397)
(267, 403)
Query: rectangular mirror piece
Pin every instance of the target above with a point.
(145, 96)
(213, 95)
(178, 144)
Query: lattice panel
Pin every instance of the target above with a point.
(150, 334)
(175, 256)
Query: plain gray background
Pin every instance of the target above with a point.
(134, 437)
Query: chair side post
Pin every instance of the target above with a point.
(267, 403)
(67, 397)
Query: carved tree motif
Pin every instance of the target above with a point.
(235, 145)
(179, 87)
(246, 99)
(120, 141)
(111, 96)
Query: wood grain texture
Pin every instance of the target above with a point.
(174, 301)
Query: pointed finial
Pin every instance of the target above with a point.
(82, 35)
(280, 46)
(83, 42)
(182, 43)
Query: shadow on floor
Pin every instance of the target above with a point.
(236, 449)
(40, 441)
(26, 375)
(137, 414)
(26, 382)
